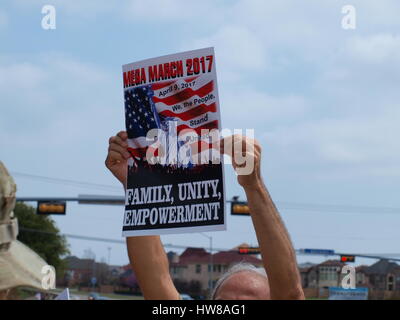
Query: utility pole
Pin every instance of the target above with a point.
(109, 255)
(94, 279)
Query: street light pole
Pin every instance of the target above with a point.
(210, 272)
(211, 285)
(94, 279)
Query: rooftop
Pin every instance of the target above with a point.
(331, 263)
(77, 263)
(201, 256)
(382, 267)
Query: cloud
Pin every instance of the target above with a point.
(375, 48)
(247, 107)
(3, 19)
(73, 9)
(378, 14)
(238, 49)
(361, 77)
(53, 90)
(157, 11)
(360, 145)
(24, 75)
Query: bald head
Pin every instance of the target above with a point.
(244, 285)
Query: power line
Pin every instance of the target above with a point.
(76, 183)
(80, 237)
(336, 208)
(354, 238)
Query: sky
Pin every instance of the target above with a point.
(323, 101)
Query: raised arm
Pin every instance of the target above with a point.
(150, 263)
(276, 248)
(146, 253)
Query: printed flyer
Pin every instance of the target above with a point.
(175, 172)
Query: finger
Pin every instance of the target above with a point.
(114, 156)
(226, 145)
(118, 140)
(244, 159)
(238, 145)
(117, 148)
(247, 157)
(123, 135)
(242, 145)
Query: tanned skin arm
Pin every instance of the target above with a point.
(150, 264)
(277, 252)
(146, 254)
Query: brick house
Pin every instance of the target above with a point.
(384, 278)
(78, 271)
(323, 275)
(81, 271)
(362, 279)
(308, 275)
(330, 273)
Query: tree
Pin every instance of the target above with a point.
(47, 242)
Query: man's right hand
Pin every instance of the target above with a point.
(118, 155)
(245, 149)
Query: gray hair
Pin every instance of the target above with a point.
(236, 268)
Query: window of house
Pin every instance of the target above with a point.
(198, 268)
(390, 283)
(360, 278)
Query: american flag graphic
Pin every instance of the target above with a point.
(148, 107)
(140, 117)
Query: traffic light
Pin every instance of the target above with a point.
(51, 207)
(240, 208)
(347, 258)
(248, 250)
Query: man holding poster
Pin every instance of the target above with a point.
(169, 162)
(149, 260)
